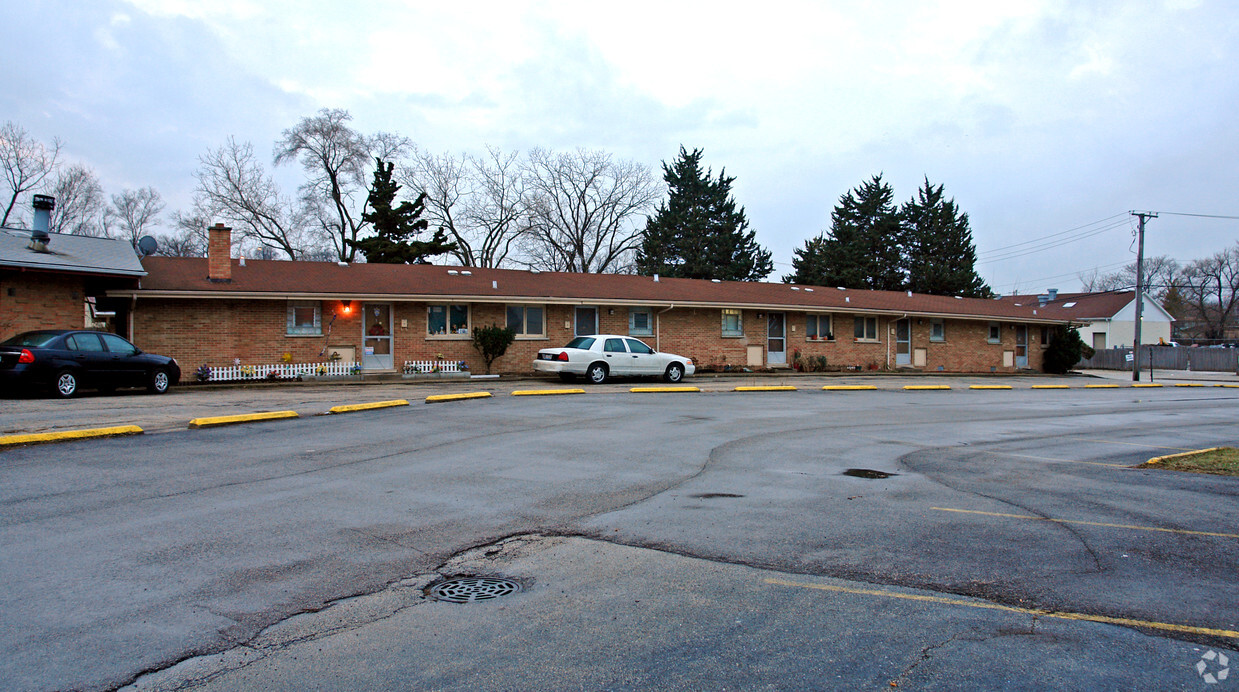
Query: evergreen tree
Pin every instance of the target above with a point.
(698, 233)
(864, 248)
(397, 226)
(941, 257)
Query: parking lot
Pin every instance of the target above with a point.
(925, 539)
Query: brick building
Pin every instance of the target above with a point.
(220, 309)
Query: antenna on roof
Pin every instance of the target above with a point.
(147, 246)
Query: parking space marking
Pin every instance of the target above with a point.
(926, 387)
(456, 397)
(367, 407)
(989, 386)
(983, 605)
(546, 392)
(1072, 461)
(771, 388)
(1138, 385)
(241, 418)
(66, 435)
(663, 390)
(1089, 523)
(850, 388)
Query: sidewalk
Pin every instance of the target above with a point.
(1166, 376)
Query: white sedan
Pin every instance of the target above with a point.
(600, 356)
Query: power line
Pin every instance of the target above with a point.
(1050, 246)
(1061, 276)
(1202, 216)
(1002, 249)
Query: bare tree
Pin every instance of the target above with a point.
(478, 200)
(26, 162)
(233, 188)
(1160, 275)
(131, 213)
(1209, 290)
(337, 161)
(188, 237)
(79, 202)
(584, 207)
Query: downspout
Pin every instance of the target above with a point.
(658, 327)
(133, 307)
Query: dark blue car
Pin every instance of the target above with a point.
(66, 360)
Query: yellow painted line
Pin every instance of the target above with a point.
(1072, 461)
(1090, 523)
(1101, 386)
(66, 435)
(456, 397)
(241, 418)
(1232, 386)
(1137, 444)
(1147, 384)
(1189, 384)
(1051, 386)
(926, 387)
(990, 386)
(771, 388)
(1058, 614)
(667, 390)
(367, 407)
(849, 388)
(546, 392)
(1180, 455)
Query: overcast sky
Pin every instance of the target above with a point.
(1039, 117)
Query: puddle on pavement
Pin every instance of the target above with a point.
(868, 473)
(709, 496)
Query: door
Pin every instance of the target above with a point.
(377, 342)
(617, 357)
(1021, 346)
(903, 343)
(776, 339)
(643, 360)
(586, 321)
(126, 369)
(94, 361)
(1099, 341)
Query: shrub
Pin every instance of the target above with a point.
(492, 342)
(1064, 351)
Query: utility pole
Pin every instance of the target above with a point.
(1135, 364)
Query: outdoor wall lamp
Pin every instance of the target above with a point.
(346, 306)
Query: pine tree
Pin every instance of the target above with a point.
(941, 257)
(864, 248)
(698, 233)
(396, 226)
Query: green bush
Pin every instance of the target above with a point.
(492, 342)
(1064, 351)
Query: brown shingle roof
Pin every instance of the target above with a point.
(187, 277)
(1083, 306)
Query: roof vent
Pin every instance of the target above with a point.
(535, 271)
(494, 285)
(342, 264)
(909, 294)
(795, 288)
(241, 258)
(847, 299)
(655, 278)
(841, 288)
(43, 206)
(959, 297)
(452, 272)
(467, 273)
(715, 281)
(1053, 293)
(1043, 299)
(809, 290)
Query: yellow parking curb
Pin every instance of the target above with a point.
(1148, 384)
(241, 418)
(366, 407)
(770, 388)
(1101, 386)
(546, 392)
(849, 387)
(1227, 385)
(665, 390)
(1051, 386)
(456, 397)
(1158, 460)
(989, 386)
(1189, 384)
(926, 387)
(66, 435)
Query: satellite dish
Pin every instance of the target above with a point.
(147, 245)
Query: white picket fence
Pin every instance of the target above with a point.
(427, 366)
(232, 373)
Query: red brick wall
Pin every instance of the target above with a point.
(215, 332)
(40, 301)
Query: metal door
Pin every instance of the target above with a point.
(903, 342)
(586, 321)
(377, 342)
(776, 340)
(1021, 346)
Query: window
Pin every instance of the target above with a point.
(83, 342)
(866, 328)
(640, 323)
(304, 318)
(937, 330)
(995, 332)
(635, 346)
(1045, 337)
(731, 323)
(447, 319)
(614, 346)
(116, 344)
(818, 327)
(526, 320)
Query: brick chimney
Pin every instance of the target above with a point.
(219, 253)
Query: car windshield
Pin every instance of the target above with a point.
(35, 339)
(581, 342)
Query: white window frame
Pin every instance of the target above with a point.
(290, 327)
(994, 328)
(649, 320)
(865, 322)
(738, 330)
(447, 321)
(523, 332)
(813, 327)
(940, 327)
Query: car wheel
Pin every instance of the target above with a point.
(567, 377)
(675, 373)
(159, 382)
(597, 373)
(65, 384)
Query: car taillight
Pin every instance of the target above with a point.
(26, 356)
(563, 356)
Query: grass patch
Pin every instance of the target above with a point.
(1220, 461)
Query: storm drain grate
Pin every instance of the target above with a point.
(472, 589)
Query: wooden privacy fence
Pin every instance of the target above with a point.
(1166, 358)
